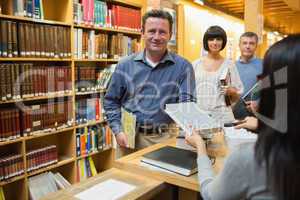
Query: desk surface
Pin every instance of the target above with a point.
(145, 187)
(132, 163)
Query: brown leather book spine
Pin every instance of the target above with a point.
(14, 39)
(4, 38)
(37, 40)
(42, 39)
(8, 81)
(9, 40)
(52, 41)
(21, 39)
(27, 40)
(32, 41)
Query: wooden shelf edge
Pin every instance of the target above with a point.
(90, 124)
(94, 153)
(37, 98)
(97, 60)
(90, 92)
(43, 134)
(7, 142)
(59, 164)
(108, 29)
(28, 19)
(32, 59)
(11, 180)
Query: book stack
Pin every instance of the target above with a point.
(51, 183)
(10, 124)
(85, 168)
(50, 41)
(89, 44)
(121, 45)
(85, 78)
(46, 117)
(92, 139)
(104, 76)
(28, 8)
(11, 166)
(21, 81)
(42, 157)
(104, 14)
(89, 110)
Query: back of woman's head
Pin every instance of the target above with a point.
(278, 144)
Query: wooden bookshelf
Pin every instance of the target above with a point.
(32, 59)
(27, 19)
(96, 60)
(58, 13)
(37, 98)
(106, 29)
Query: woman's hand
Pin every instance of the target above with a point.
(232, 92)
(250, 123)
(196, 141)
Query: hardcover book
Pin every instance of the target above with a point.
(174, 159)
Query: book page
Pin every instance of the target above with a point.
(108, 190)
(188, 116)
(129, 124)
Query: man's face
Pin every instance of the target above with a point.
(156, 35)
(248, 46)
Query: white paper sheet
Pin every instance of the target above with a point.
(188, 116)
(108, 190)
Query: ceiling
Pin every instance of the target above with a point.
(278, 15)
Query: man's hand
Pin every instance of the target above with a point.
(122, 140)
(252, 106)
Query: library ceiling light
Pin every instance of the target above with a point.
(201, 2)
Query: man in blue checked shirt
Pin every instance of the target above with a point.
(144, 82)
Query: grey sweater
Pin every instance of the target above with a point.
(241, 177)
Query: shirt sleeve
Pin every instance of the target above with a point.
(112, 100)
(187, 85)
(235, 78)
(229, 184)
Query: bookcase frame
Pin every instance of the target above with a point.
(58, 12)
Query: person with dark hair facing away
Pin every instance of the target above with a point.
(143, 83)
(269, 168)
(249, 67)
(212, 96)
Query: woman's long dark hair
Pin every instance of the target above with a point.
(278, 144)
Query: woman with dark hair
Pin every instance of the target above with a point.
(209, 70)
(270, 168)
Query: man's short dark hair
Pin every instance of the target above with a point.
(250, 34)
(157, 14)
(214, 32)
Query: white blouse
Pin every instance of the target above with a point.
(208, 88)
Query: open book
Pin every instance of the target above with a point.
(129, 124)
(189, 116)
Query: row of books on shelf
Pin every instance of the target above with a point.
(92, 79)
(11, 166)
(20, 81)
(28, 8)
(89, 109)
(92, 45)
(51, 182)
(85, 168)
(105, 14)
(27, 120)
(92, 139)
(20, 39)
(39, 158)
